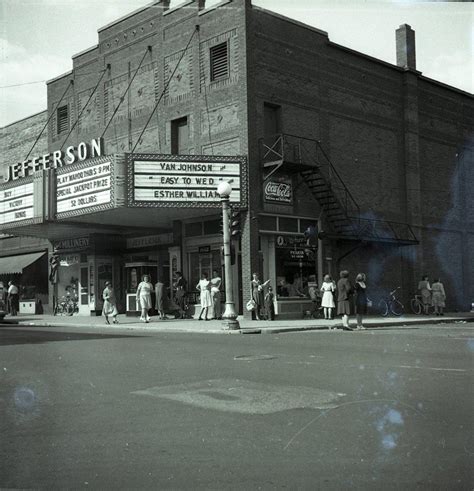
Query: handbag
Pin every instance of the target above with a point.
(251, 305)
(369, 302)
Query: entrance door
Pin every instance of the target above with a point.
(84, 298)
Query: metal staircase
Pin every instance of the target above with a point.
(307, 157)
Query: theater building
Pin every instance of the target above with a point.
(337, 161)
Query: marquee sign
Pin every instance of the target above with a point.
(16, 203)
(184, 180)
(82, 187)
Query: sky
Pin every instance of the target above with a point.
(39, 37)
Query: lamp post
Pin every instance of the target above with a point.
(230, 315)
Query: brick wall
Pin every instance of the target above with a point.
(17, 139)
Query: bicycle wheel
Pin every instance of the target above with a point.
(397, 308)
(383, 308)
(69, 309)
(415, 306)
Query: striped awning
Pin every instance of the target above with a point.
(16, 264)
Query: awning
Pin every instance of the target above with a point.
(16, 264)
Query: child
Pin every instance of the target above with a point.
(269, 307)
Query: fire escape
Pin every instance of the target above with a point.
(305, 156)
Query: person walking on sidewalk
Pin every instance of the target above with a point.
(110, 303)
(144, 297)
(344, 292)
(204, 286)
(327, 301)
(438, 297)
(425, 292)
(360, 299)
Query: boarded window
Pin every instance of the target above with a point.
(63, 119)
(219, 56)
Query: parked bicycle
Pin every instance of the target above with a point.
(417, 306)
(391, 305)
(66, 306)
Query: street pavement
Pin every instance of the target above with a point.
(216, 326)
(105, 408)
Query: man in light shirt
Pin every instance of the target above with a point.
(13, 298)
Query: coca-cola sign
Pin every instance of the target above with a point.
(278, 191)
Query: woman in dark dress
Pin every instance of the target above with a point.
(344, 291)
(257, 294)
(360, 299)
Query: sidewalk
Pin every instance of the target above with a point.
(215, 326)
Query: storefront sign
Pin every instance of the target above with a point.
(150, 240)
(56, 159)
(290, 241)
(69, 260)
(297, 253)
(83, 188)
(16, 203)
(76, 244)
(165, 181)
(281, 192)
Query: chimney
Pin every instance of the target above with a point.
(406, 53)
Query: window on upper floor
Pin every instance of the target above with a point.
(63, 119)
(219, 58)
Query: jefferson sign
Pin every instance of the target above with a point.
(56, 159)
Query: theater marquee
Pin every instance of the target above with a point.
(184, 180)
(85, 187)
(16, 203)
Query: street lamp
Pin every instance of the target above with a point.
(230, 315)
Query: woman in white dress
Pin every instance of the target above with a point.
(204, 286)
(110, 303)
(144, 290)
(327, 301)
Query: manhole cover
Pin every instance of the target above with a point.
(254, 357)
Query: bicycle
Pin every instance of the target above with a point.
(417, 305)
(67, 306)
(391, 304)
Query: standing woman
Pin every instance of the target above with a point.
(216, 294)
(425, 292)
(204, 286)
(257, 294)
(328, 288)
(344, 291)
(159, 294)
(360, 299)
(110, 303)
(144, 297)
(439, 297)
(180, 286)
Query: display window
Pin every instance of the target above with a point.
(294, 269)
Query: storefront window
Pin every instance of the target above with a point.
(294, 268)
(288, 224)
(202, 263)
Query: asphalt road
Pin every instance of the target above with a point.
(380, 409)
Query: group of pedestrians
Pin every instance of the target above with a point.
(12, 303)
(432, 295)
(342, 294)
(210, 296)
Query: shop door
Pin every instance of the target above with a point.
(84, 297)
